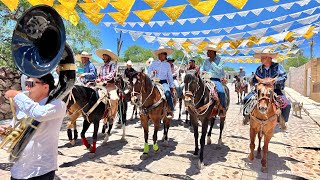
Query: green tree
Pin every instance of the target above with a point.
(80, 37)
(227, 68)
(178, 55)
(295, 62)
(137, 54)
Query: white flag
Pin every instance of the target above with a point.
(205, 32)
(243, 13)
(182, 21)
(236, 36)
(309, 20)
(185, 33)
(216, 30)
(295, 15)
(141, 24)
(257, 11)
(192, 20)
(151, 23)
(241, 27)
(269, 21)
(228, 29)
(170, 22)
(204, 19)
(310, 11)
(160, 23)
(135, 35)
(253, 25)
(215, 39)
(195, 32)
(230, 15)
(282, 27)
(281, 18)
(175, 33)
(287, 5)
(132, 24)
(303, 2)
(218, 17)
(149, 39)
(272, 8)
(107, 24)
(196, 41)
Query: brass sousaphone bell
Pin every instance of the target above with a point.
(38, 46)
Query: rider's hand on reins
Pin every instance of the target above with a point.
(11, 93)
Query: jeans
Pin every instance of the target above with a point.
(168, 95)
(284, 111)
(49, 176)
(179, 88)
(221, 93)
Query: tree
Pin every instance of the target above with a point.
(80, 37)
(227, 68)
(178, 55)
(137, 54)
(295, 62)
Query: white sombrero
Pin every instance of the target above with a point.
(162, 50)
(266, 52)
(129, 63)
(241, 67)
(101, 52)
(149, 60)
(212, 48)
(83, 54)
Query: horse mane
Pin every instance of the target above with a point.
(190, 76)
(148, 81)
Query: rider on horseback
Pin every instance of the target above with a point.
(90, 71)
(175, 75)
(214, 68)
(192, 66)
(161, 69)
(272, 69)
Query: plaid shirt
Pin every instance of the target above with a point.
(108, 71)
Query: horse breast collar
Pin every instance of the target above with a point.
(145, 110)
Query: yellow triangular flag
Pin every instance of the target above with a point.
(88, 1)
(257, 60)
(37, 2)
(90, 8)
(174, 12)
(74, 18)
(68, 14)
(70, 4)
(170, 43)
(155, 4)
(194, 2)
(95, 18)
(205, 7)
(249, 60)
(202, 45)
(308, 35)
(118, 17)
(145, 15)
(62, 11)
(123, 6)
(237, 3)
(11, 4)
(102, 3)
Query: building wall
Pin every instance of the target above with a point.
(296, 79)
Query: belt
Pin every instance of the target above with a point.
(163, 82)
(215, 79)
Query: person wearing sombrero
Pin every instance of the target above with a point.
(90, 71)
(161, 69)
(242, 75)
(270, 68)
(213, 67)
(129, 72)
(175, 75)
(148, 62)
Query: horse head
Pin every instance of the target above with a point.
(265, 92)
(191, 81)
(138, 86)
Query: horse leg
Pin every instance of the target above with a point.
(95, 136)
(180, 106)
(110, 124)
(167, 123)
(202, 140)
(85, 127)
(104, 126)
(267, 139)
(222, 121)
(196, 135)
(252, 145)
(144, 122)
(210, 130)
(124, 119)
(259, 146)
(155, 135)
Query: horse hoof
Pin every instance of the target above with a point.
(118, 126)
(72, 142)
(264, 169)
(258, 156)
(250, 157)
(92, 155)
(220, 142)
(144, 156)
(123, 139)
(165, 143)
(208, 140)
(200, 165)
(105, 140)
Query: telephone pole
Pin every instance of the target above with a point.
(311, 48)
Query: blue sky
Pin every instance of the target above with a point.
(109, 36)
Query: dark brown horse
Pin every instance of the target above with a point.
(202, 107)
(152, 106)
(240, 88)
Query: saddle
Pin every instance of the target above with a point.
(218, 109)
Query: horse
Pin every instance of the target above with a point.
(263, 118)
(73, 113)
(202, 107)
(240, 88)
(93, 110)
(152, 106)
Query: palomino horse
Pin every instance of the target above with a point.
(92, 110)
(203, 107)
(263, 118)
(73, 112)
(240, 88)
(152, 106)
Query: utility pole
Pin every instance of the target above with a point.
(311, 48)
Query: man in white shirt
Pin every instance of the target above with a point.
(38, 160)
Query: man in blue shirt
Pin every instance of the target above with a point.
(271, 69)
(161, 69)
(90, 71)
(214, 68)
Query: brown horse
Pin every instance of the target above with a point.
(73, 112)
(153, 106)
(263, 118)
(240, 88)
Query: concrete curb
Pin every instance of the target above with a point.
(310, 108)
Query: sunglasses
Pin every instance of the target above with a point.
(31, 84)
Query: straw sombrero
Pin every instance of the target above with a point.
(266, 52)
(212, 48)
(129, 63)
(83, 54)
(101, 52)
(162, 50)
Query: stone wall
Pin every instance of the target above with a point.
(297, 79)
(9, 79)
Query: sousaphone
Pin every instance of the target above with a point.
(38, 46)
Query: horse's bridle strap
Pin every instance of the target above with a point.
(264, 122)
(147, 109)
